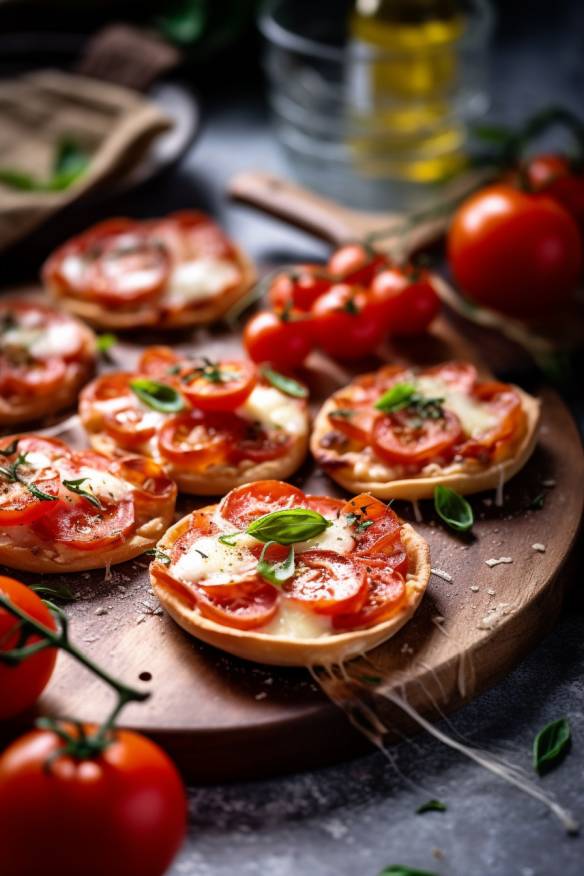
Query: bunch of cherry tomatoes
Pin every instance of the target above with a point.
(123, 809)
(346, 308)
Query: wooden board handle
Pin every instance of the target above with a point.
(293, 204)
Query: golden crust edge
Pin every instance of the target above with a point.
(146, 536)
(102, 318)
(412, 489)
(282, 651)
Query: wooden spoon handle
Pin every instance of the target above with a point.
(291, 203)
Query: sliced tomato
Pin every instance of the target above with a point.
(327, 583)
(199, 439)
(158, 361)
(131, 426)
(251, 605)
(18, 505)
(202, 524)
(189, 234)
(246, 503)
(385, 594)
(150, 481)
(325, 505)
(401, 438)
(353, 420)
(366, 507)
(260, 444)
(78, 525)
(123, 416)
(505, 403)
(459, 375)
(221, 387)
(40, 377)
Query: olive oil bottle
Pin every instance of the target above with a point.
(403, 89)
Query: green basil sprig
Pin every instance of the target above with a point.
(551, 744)
(276, 573)
(105, 342)
(12, 473)
(431, 806)
(158, 396)
(287, 385)
(288, 526)
(76, 487)
(396, 398)
(453, 509)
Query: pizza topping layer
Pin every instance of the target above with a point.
(60, 501)
(403, 422)
(273, 559)
(41, 351)
(194, 415)
(171, 264)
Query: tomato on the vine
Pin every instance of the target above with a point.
(282, 339)
(345, 326)
(299, 288)
(22, 685)
(124, 809)
(517, 253)
(356, 263)
(552, 175)
(405, 300)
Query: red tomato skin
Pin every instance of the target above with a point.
(515, 253)
(552, 175)
(269, 338)
(298, 289)
(344, 333)
(124, 811)
(22, 685)
(355, 263)
(406, 306)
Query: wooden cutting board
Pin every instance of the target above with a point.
(222, 718)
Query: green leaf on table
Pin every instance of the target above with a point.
(453, 509)
(431, 806)
(401, 870)
(551, 745)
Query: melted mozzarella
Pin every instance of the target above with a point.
(296, 622)
(274, 409)
(208, 558)
(103, 485)
(337, 538)
(475, 417)
(200, 280)
(57, 339)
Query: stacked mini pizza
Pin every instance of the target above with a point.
(268, 573)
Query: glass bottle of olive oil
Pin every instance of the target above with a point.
(404, 124)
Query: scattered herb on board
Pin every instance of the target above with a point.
(278, 572)
(453, 509)
(551, 744)
(57, 590)
(158, 396)
(400, 870)
(431, 806)
(158, 555)
(287, 385)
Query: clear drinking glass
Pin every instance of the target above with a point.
(371, 111)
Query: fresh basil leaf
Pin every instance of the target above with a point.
(16, 179)
(537, 503)
(551, 745)
(70, 163)
(344, 413)
(158, 396)
(396, 398)
(10, 448)
(453, 509)
(229, 538)
(431, 806)
(287, 385)
(401, 870)
(105, 342)
(76, 487)
(159, 555)
(288, 526)
(55, 591)
(276, 573)
(38, 494)
(70, 158)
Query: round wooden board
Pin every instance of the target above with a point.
(222, 718)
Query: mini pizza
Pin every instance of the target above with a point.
(168, 273)
(276, 576)
(63, 510)
(212, 425)
(45, 359)
(400, 431)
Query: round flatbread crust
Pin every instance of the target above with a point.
(284, 651)
(412, 489)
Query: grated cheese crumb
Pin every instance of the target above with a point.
(539, 547)
(491, 592)
(474, 588)
(441, 574)
(494, 562)
(549, 483)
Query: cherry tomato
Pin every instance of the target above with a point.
(125, 809)
(109, 403)
(298, 289)
(327, 582)
(355, 263)
(385, 593)
(398, 437)
(249, 605)
(199, 439)
(285, 342)
(221, 387)
(553, 176)
(458, 375)
(353, 420)
(247, 503)
(405, 300)
(344, 326)
(22, 685)
(41, 377)
(517, 253)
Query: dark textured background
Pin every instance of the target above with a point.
(358, 817)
